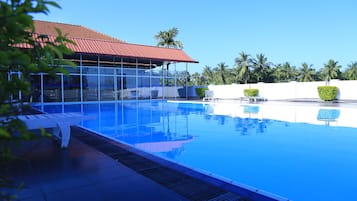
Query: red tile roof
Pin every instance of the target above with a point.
(72, 31)
(92, 42)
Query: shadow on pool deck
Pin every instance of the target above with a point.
(94, 168)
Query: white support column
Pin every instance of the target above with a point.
(121, 79)
(136, 79)
(41, 90)
(62, 88)
(98, 79)
(115, 82)
(150, 87)
(186, 81)
(175, 80)
(81, 77)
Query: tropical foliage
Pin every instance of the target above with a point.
(247, 69)
(167, 39)
(16, 65)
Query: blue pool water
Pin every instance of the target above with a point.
(295, 152)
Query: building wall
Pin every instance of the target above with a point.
(284, 91)
(93, 83)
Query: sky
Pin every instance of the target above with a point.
(213, 31)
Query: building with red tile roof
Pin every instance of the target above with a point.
(88, 41)
(108, 69)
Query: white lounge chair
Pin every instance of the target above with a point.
(60, 122)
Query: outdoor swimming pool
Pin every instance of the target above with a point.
(302, 152)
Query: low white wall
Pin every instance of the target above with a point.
(282, 91)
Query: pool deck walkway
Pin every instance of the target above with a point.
(94, 168)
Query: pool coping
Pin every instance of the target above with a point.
(208, 186)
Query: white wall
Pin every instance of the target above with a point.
(283, 91)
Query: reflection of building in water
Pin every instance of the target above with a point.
(164, 146)
(152, 126)
(341, 116)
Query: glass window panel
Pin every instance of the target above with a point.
(52, 88)
(35, 95)
(107, 88)
(72, 88)
(130, 92)
(89, 70)
(107, 71)
(170, 90)
(90, 88)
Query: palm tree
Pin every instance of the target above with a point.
(331, 70)
(289, 72)
(261, 67)
(208, 76)
(196, 79)
(221, 71)
(243, 63)
(167, 39)
(278, 73)
(351, 71)
(306, 73)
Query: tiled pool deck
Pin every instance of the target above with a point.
(95, 168)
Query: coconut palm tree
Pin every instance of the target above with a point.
(278, 73)
(306, 73)
(243, 63)
(261, 67)
(221, 72)
(331, 70)
(351, 71)
(208, 75)
(167, 39)
(289, 72)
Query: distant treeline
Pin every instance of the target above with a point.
(248, 69)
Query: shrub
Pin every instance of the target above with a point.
(327, 93)
(201, 92)
(251, 92)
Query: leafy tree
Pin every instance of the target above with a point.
(197, 79)
(306, 73)
(351, 71)
(167, 39)
(290, 73)
(261, 67)
(221, 72)
(208, 75)
(278, 73)
(22, 53)
(243, 63)
(331, 70)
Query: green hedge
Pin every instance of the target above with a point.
(251, 92)
(201, 92)
(327, 93)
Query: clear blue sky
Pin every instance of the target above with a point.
(212, 31)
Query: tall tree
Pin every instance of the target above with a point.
(351, 71)
(278, 73)
(331, 70)
(261, 67)
(208, 75)
(243, 63)
(289, 72)
(306, 73)
(167, 39)
(221, 72)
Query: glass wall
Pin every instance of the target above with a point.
(116, 79)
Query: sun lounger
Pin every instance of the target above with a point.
(60, 122)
